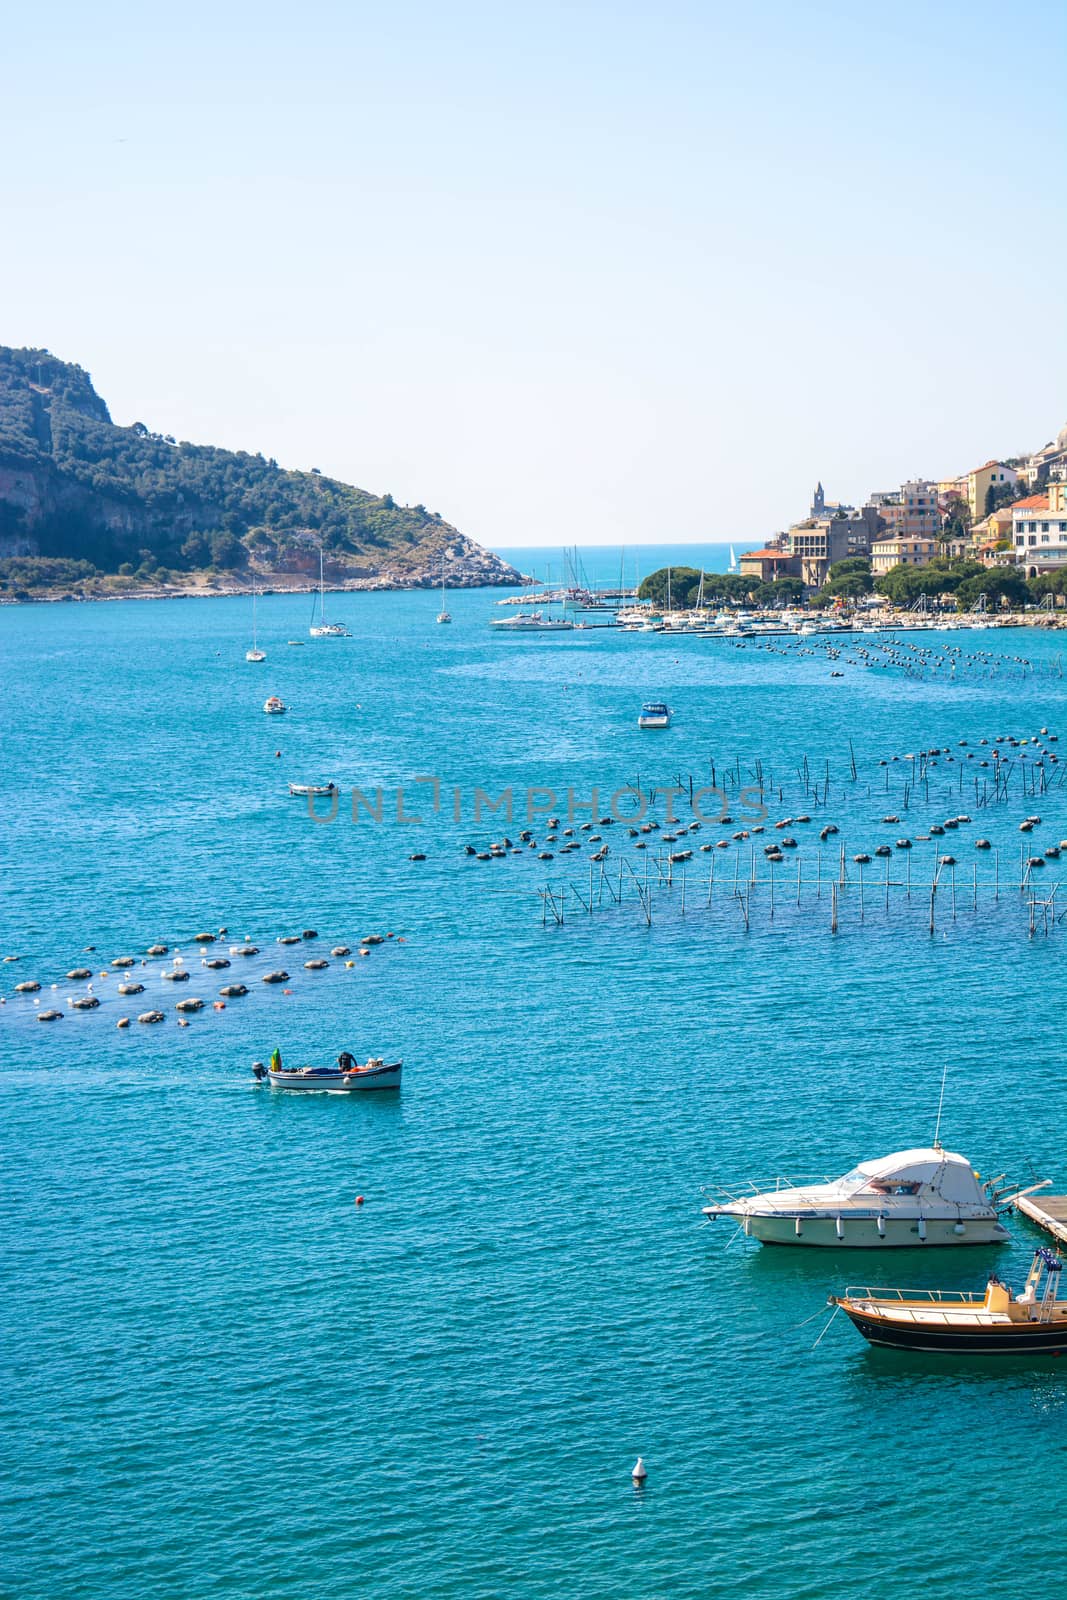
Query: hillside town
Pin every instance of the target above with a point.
(1009, 515)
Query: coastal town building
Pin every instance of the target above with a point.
(773, 561)
(992, 475)
(897, 551)
(1049, 464)
(818, 542)
(1039, 531)
(912, 511)
(949, 489)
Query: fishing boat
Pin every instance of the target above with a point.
(313, 789)
(531, 622)
(274, 706)
(443, 615)
(347, 1077)
(916, 1197)
(255, 654)
(323, 629)
(654, 715)
(994, 1322)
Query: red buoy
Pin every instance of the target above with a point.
(359, 1199)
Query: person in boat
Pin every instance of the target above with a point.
(347, 1061)
(275, 1060)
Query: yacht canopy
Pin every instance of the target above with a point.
(948, 1174)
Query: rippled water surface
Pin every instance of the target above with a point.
(223, 1377)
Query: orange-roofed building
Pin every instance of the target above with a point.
(772, 562)
(1039, 531)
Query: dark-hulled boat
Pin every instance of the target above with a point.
(995, 1322)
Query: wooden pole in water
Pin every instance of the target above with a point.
(833, 908)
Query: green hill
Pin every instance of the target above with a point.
(77, 489)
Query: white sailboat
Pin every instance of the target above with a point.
(733, 559)
(255, 654)
(443, 615)
(323, 629)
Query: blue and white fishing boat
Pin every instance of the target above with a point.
(346, 1077)
(654, 714)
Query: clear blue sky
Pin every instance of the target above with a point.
(591, 272)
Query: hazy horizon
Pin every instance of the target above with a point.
(592, 277)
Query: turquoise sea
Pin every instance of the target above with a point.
(224, 1378)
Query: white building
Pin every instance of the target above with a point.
(1039, 531)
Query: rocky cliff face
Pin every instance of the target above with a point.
(76, 487)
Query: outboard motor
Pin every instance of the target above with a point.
(259, 1071)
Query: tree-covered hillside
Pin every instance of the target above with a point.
(76, 487)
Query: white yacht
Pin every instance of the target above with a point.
(323, 629)
(910, 1198)
(654, 714)
(531, 622)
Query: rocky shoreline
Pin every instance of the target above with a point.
(465, 565)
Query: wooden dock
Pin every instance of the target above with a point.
(1049, 1213)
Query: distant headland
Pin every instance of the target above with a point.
(98, 511)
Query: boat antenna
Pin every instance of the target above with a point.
(940, 1103)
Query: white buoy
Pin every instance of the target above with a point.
(881, 1226)
(922, 1227)
(640, 1471)
(839, 1228)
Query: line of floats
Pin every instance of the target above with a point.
(125, 969)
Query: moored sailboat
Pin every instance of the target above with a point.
(443, 615)
(323, 629)
(255, 654)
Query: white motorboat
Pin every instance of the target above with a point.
(913, 1197)
(255, 654)
(347, 1077)
(323, 629)
(274, 706)
(313, 789)
(654, 714)
(531, 622)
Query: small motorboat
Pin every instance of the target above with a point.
(313, 789)
(910, 1198)
(654, 715)
(273, 706)
(995, 1322)
(346, 1077)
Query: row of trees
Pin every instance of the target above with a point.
(851, 580)
(679, 588)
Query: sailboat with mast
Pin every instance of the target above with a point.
(323, 629)
(443, 615)
(255, 654)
